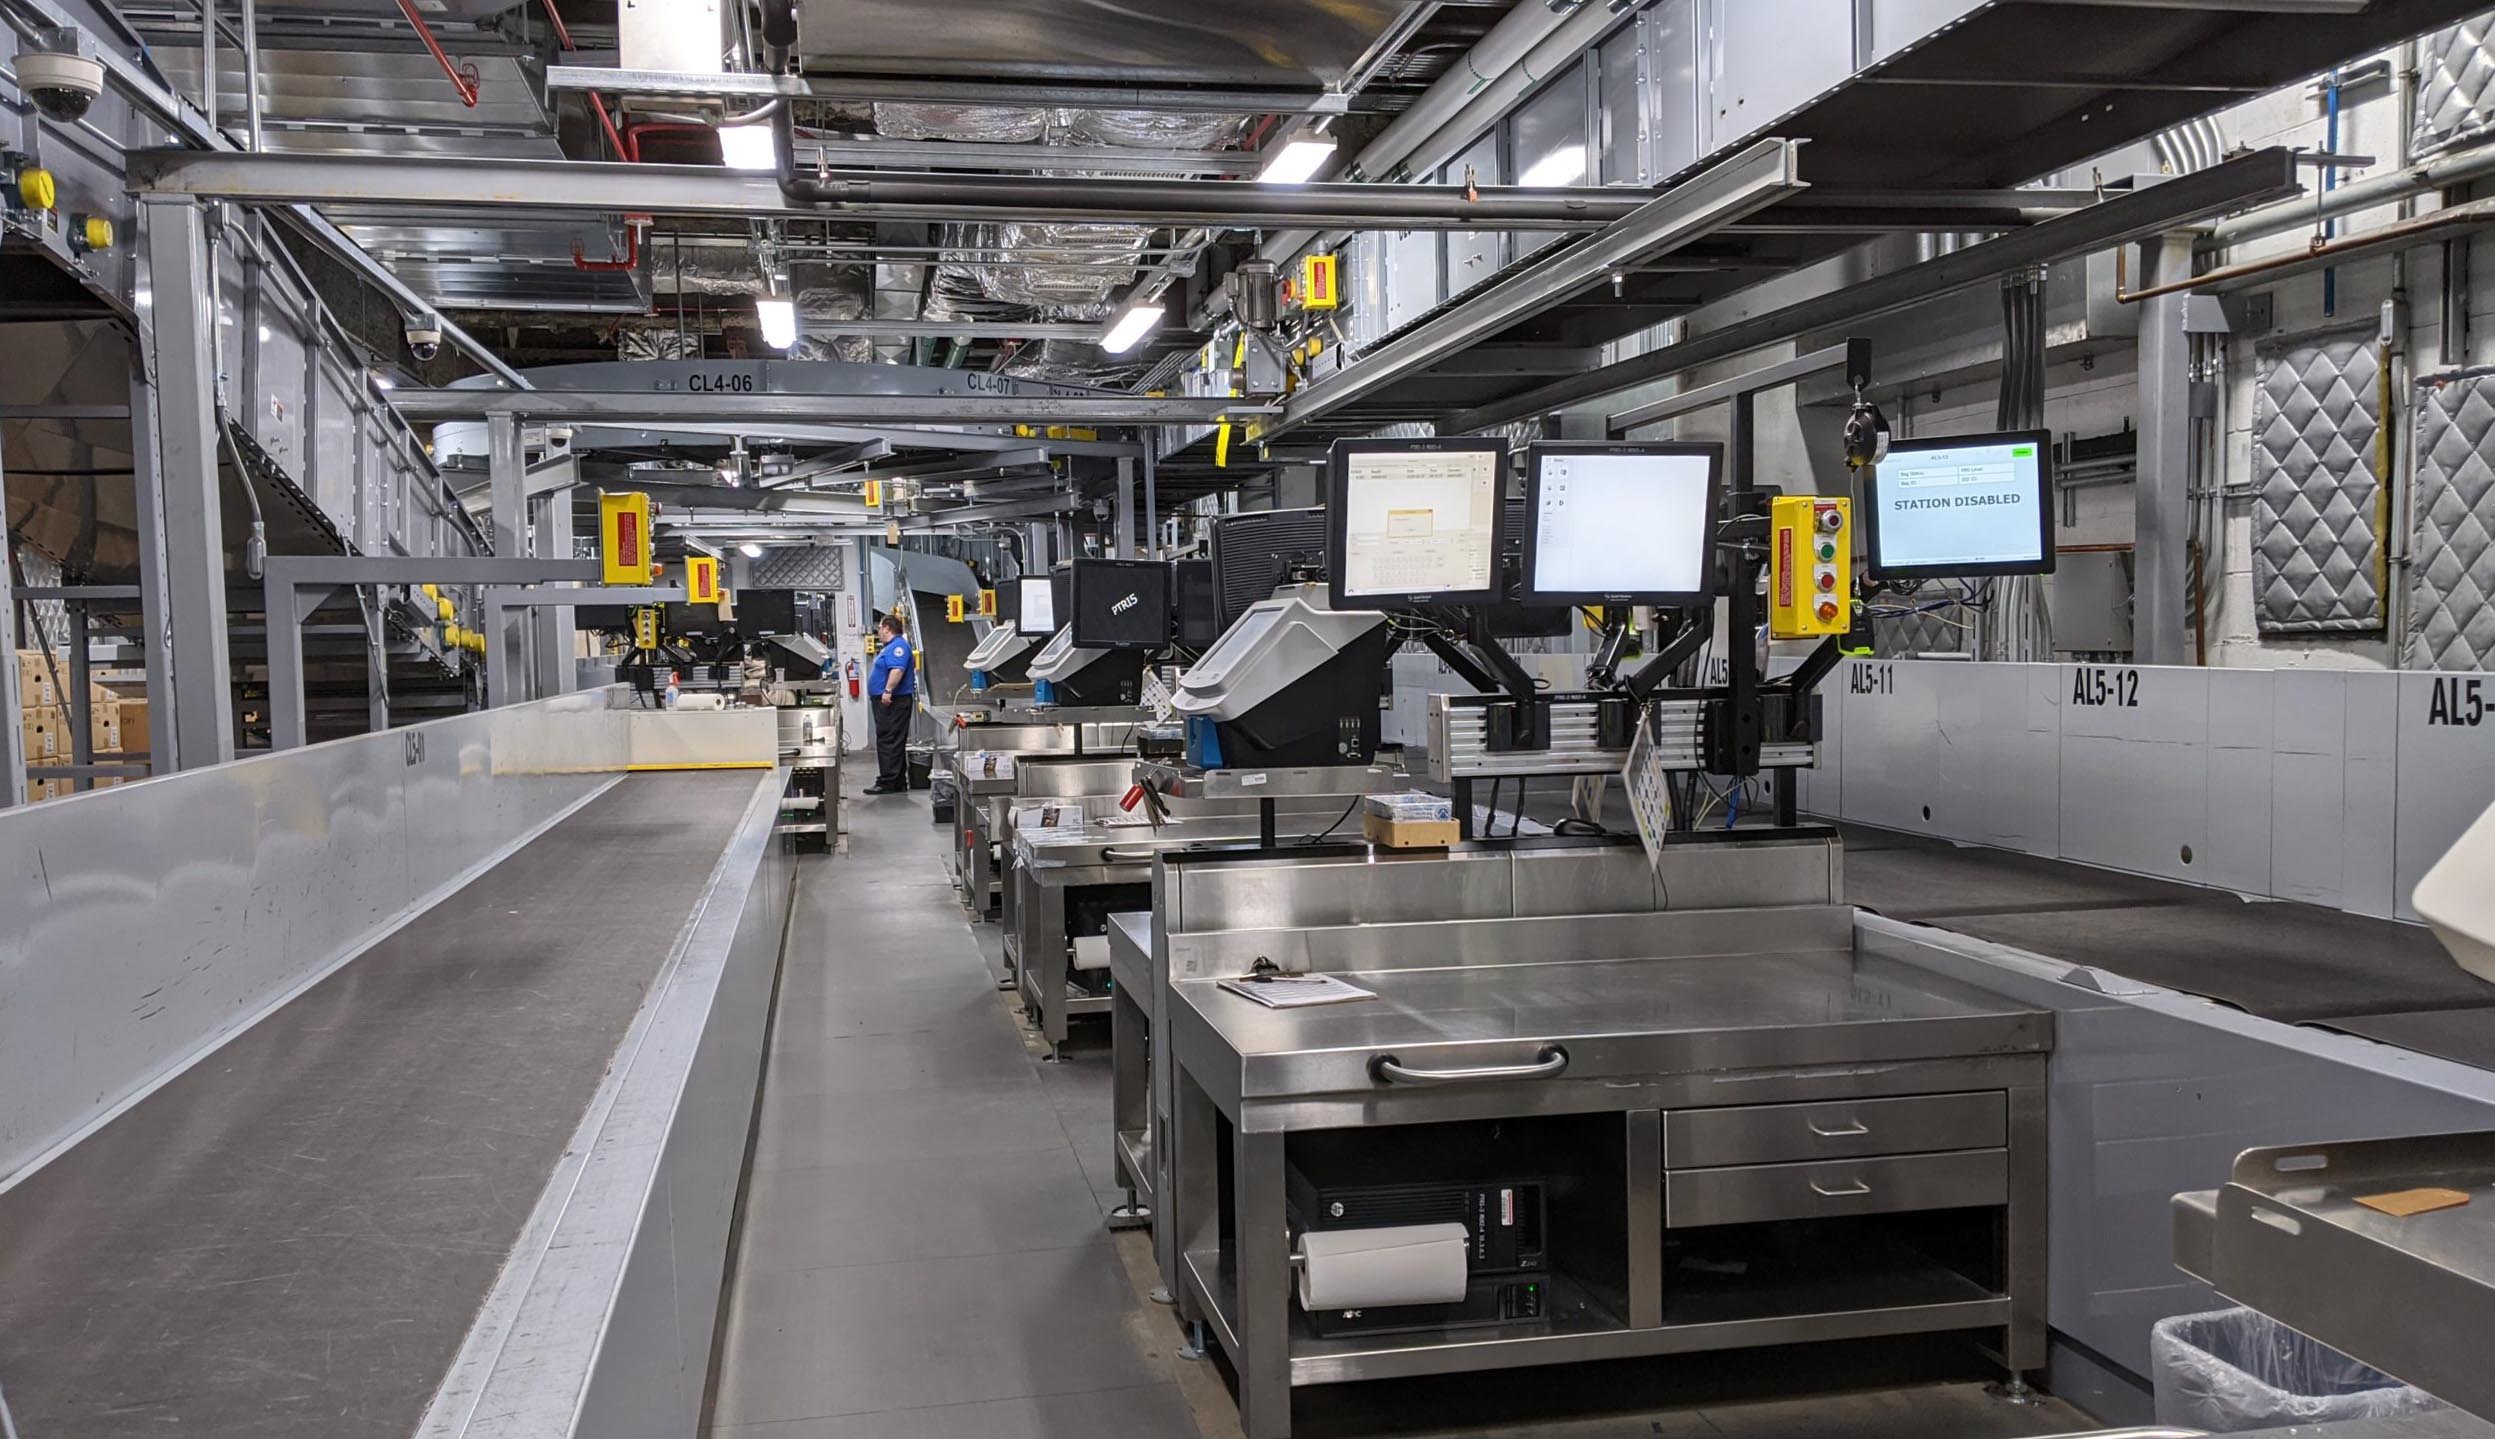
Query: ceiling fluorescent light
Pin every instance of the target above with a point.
(1295, 162)
(779, 322)
(1138, 319)
(1563, 166)
(750, 551)
(748, 147)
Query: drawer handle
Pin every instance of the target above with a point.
(1857, 1190)
(1549, 1064)
(1115, 855)
(1854, 1129)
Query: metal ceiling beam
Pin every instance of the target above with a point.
(1759, 176)
(444, 183)
(964, 329)
(751, 412)
(1169, 99)
(975, 155)
(2251, 179)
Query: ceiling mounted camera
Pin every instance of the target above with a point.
(424, 336)
(62, 82)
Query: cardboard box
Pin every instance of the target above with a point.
(136, 737)
(49, 725)
(40, 734)
(1410, 833)
(34, 680)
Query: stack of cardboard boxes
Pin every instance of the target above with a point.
(43, 723)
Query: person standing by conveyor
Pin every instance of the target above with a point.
(892, 686)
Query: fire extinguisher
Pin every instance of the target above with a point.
(855, 689)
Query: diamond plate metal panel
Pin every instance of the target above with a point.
(2451, 573)
(2316, 525)
(2456, 85)
(798, 567)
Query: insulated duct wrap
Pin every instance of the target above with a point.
(703, 270)
(987, 124)
(648, 342)
(827, 293)
(1072, 268)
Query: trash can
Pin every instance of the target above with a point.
(922, 765)
(941, 797)
(2236, 1369)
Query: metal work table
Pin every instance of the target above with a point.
(293, 1237)
(1133, 987)
(1709, 1079)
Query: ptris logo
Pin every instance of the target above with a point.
(1126, 604)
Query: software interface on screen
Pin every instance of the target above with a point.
(1972, 504)
(1039, 611)
(1624, 524)
(1419, 523)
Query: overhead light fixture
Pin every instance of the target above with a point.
(779, 321)
(1563, 166)
(750, 550)
(1295, 162)
(384, 382)
(1128, 328)
(748, 147)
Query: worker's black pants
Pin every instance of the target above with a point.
(892, 741)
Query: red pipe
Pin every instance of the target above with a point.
(629, 260)
(462, 77)
(597, 102)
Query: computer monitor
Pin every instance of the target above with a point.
(1121, 605)
(1414, 522)
(1195, 603)
(1621, 524)
(1256, 551)
(1962, 507)
(1035, 606)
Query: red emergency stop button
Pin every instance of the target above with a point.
(1827, 579)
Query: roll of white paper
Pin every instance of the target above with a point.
(1381, 1268)
(1091, 951)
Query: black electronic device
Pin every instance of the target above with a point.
(1505, 1222)
(1626, 524)
(1195, 604)
(768, 612)
(1121, 605)
(1256, 551)
(1961, 507)
(1414, 522)
(1034, 606)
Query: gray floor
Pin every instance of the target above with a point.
(922, 1255)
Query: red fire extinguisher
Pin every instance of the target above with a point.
(855, 690)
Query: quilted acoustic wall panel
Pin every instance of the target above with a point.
(2451, 573)
(2316, 530)
(799, 567)
(2456, 89)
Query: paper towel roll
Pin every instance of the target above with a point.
(1091, 951)
(1381, 1268)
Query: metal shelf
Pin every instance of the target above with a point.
(2414, 1297)
(1343, 781)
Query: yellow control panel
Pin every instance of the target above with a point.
(701, 580)
(1810, 576)
(624, 538)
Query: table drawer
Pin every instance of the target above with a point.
(1750, 1194)
(1839, 1129)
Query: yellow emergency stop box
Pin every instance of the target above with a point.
(1319, 285)
(873, 494)
(1810, 574)
(953, 608)
(987, 603)
(624, 538)
(645, 627)
(701, 579)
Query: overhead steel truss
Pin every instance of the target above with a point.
(761, 411)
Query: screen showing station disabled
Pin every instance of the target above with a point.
(1419, 523)
(1961, 507)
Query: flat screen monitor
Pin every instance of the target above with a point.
(1256, 551)
(1621, 524)
(1121, 605)
(1195, 603)
(1414, 522)
(1035, 606)
(1962, 507)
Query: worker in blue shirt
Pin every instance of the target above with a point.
(892, 688)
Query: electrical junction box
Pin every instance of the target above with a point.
(1318, 287)
(987, 603)
(645, 628)
(953, 608)
(1810, 576)
(701, 580)
(624, 539)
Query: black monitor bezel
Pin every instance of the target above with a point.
(2041, 439)
(1020, 608)
(1709, 586)
(1338, 521)
(1074, 601)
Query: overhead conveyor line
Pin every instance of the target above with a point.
(611, 406)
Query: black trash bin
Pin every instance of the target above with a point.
(922, 766)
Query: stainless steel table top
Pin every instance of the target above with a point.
(1614, 1017)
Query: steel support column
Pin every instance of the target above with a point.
(551, 631)
(201, 715)
(155, 633)
(12, 736)
(507, 472)
(2160, 615)
(1125, 529)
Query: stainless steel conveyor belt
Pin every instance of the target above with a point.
(294, 1236)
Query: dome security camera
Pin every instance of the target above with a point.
(424, 336)
(62, 85)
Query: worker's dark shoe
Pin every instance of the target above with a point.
(887, 789)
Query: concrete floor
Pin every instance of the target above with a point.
(923, 1257)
